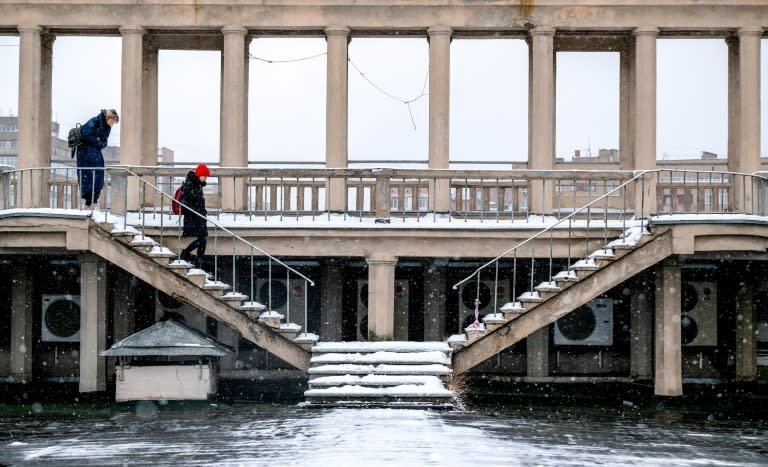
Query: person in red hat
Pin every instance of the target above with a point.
(194, 212)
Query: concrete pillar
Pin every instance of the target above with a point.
(626, 107)
(93, 323)
(31, 116)
(125, 306)
(330, 298)
(748, 130)
(542, 117)
(22, 319)
(644, 118)
(233, 109)
(336, 112)
(668, 374)
(230, 337)
(131, 118)
(537, 345)
(435, 297)
(641, 335)
(746, 321)
(149, 110)
(733, 103)
(439, 110)
(381, 297)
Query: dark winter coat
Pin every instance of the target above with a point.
(95, 134)
(194, 226)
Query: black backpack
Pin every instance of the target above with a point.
(75, 138)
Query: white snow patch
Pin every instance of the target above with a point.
(383, 357)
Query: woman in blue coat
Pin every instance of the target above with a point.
(95, 134)
(192, 199)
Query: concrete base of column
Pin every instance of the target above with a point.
(538, 353)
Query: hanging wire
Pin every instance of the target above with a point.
(402, 101)
(290, 60)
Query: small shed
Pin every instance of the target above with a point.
(166, 361)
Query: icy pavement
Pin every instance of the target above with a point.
(274, 435)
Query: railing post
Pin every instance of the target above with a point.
(383, 194)
(119, 189)
(645, 195)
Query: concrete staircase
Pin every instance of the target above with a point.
(586, 279)
(388, 374)
(151, 262)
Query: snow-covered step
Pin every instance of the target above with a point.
(548, 286)
(289, 330)
(494, 321)
(252, 309)
(566, 276)
(127, 231)
(391, 374)
(142, 241)
(179, 265)
(197, 276)
(604, 254)
(215, 288)
(587, 264)
(234, 299)
(530, 297)
(372, 380)
(382, 357)
(457, 340)
(381, 346)
(352, 369)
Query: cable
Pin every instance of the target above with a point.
(402, 101)
(253, 57)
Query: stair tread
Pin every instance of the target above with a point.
(383, 369)
(386, 346)
(382, 357)
(406, 390)
(372, 380)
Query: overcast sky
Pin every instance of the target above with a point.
(489, 97)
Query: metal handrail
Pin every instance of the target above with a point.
(219, 226)
(639, 175)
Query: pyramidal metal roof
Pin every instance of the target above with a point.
(167, 338)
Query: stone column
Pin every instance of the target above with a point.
(439, 110)
(641, 335)
(668, 374)
(381, 297)
(644, 118)
(233, 110)
(336, 113)
(31, 116)
(131, 118)
(93, 323)
(733, 103)
(746, 345)
(537, 345)
(748, 143)
(542, 117)
(230, 337)
(124, 306)
(435, 296)
(150, 119)
(626, 106)
(330, 298)
(22, 319)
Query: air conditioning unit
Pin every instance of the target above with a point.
(401, 310)
(288, 299)
(698, 322)
(168, 307)
(60, 318)
(590, 324)
(469, 291)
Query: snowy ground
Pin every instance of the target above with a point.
(271, 435)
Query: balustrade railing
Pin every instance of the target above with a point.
(676, 192)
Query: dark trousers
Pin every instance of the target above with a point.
(200, 243)
(91, 196)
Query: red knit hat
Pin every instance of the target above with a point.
(202, 170)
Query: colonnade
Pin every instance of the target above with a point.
(637, 102)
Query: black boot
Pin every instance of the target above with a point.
(187, 256)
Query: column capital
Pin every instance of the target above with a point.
(380, 259)
(439, 30)
(754, 31)
(132, 29)
(645, 31)
(30, 28)
(336, 31)
(234, 30)
(543, 31)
